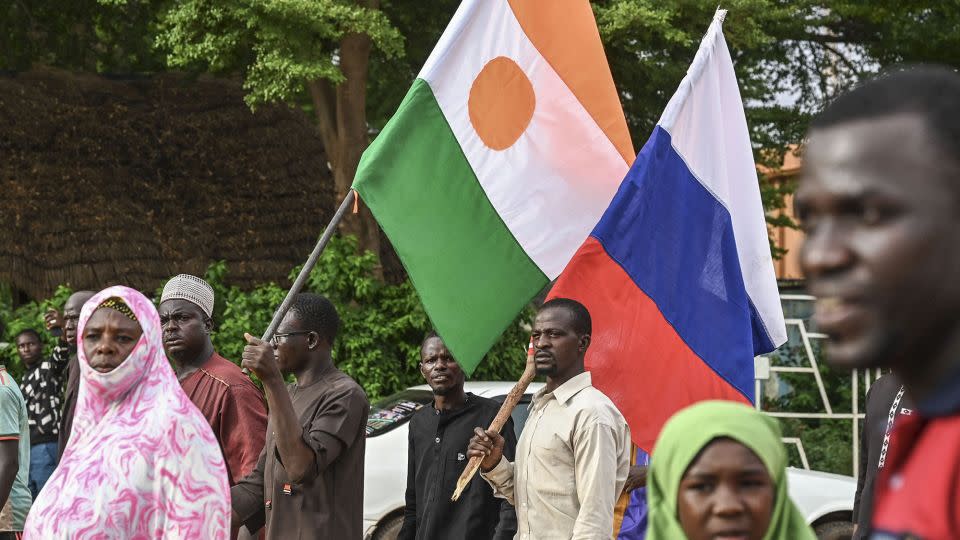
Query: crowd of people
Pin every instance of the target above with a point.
(135, 427)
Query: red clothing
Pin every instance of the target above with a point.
(918, 490)
(236, 410)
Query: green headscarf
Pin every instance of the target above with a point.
(686, 434)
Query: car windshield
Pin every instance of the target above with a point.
(394, 410)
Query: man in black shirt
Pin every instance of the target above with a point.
(437, 456)
(42, 388)
(886, 403)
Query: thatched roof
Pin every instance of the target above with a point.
(130, 181)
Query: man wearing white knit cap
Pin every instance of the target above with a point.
(228, 399)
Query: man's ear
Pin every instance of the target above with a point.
(207, 325)
(314, 340)
(584, 343)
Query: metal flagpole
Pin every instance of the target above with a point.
(308, 266)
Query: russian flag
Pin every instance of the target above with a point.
(678, 275)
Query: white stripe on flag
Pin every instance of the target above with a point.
(715, 143)
(551, 187)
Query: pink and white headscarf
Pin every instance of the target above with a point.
(142, 462)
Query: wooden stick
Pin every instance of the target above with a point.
(509, 403)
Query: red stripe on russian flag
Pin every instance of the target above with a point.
(638, 360)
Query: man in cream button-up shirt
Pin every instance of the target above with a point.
(574, 452)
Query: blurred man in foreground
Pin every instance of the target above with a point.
(879, 199)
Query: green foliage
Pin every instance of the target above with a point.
(827, 442)
(85, 35)
(279, 45)
(29, 315)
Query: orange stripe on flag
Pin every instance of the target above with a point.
(565, 33)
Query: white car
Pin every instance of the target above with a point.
(825, 499)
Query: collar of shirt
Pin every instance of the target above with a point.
(34, 368)
(323, 376)
(565, 391)
(446, 416)
(944, 401)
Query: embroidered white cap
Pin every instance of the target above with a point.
(191, 289)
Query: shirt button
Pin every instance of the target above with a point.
(437, 440)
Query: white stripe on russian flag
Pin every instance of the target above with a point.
(714, 143)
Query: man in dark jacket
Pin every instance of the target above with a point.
(437, 456)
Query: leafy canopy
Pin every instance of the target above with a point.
(278, 45)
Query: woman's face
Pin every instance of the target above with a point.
(726, 493)
(108, 339)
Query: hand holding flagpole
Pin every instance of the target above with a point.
(529, 372)
(301, 280)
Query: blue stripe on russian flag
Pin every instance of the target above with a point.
(675, 240)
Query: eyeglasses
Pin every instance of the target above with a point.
(284, 335)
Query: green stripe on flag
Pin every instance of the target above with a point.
(472, 275)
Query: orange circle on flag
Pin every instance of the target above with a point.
(501, 103)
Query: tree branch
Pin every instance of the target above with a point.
(841, 57)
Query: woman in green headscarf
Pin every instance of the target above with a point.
(718, 470)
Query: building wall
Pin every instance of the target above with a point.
(788, 266)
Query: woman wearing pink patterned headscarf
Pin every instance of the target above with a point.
(142, 463)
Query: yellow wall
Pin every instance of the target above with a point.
(788, 267)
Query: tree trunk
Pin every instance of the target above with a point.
(342, 118)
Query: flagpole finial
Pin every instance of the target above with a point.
(720, 15)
